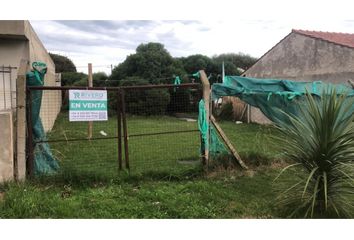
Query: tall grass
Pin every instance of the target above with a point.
(320, 142)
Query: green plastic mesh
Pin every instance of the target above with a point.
(276, 97)
(215, 146)
(44, 162)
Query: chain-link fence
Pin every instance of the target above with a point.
(150, 128)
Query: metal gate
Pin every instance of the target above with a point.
(150, 128)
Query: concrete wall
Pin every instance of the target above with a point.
(12, 29)
(298, 57)
(6, 146)
(19, 41)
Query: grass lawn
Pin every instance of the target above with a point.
(173, 153)
(166, 180)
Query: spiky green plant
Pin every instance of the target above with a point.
(320, 142)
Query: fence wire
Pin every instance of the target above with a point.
(161, 131)
(7, 88)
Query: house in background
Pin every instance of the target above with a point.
(305, 56)
(18, 41)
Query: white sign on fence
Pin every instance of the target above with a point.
(87, 105)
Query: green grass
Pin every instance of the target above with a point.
(254, 143)
(160, 184)
(166, 152)
(223, 196)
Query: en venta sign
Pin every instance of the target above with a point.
(87, 105)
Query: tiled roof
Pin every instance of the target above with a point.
(344, 39)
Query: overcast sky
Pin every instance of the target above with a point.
(109, 42)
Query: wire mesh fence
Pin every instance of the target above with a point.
(7, 88)
(149, 129)
(162, 128)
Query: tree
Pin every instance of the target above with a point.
(62, 63)
(198, 62)
(234, 63)
(151, 62)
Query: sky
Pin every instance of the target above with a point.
(108, 42)
(105, 32)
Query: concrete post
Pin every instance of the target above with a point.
(20, 160)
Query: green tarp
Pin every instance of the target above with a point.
(274, 97)
(44, 162)
(215, 146)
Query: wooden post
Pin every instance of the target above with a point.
(20, 129)
(90, 84)
(228, 143)
(206, 98)
(351, 83)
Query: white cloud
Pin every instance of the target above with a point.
(109, 42)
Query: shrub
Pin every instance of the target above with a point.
(70, 78)
(139, 101)
(320, 142)
(180, 100)
(156, 101)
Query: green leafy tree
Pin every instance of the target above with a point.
(151, 62)
(197, 62)
(234, 62)
(62, 63)
(320, 142)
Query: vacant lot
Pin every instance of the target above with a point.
(166, 180)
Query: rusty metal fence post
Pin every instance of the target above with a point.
(119, 118)
(125, 130)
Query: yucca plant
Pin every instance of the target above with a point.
(320, 143)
